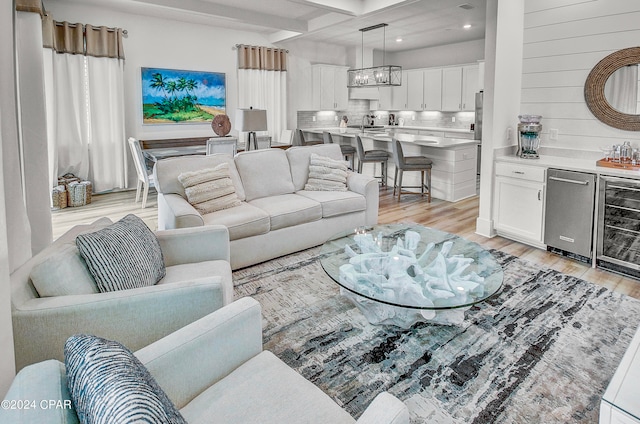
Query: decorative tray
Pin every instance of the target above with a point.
(610, 164)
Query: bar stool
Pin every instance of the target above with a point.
(410, 163)
(348, 151)
(299, 140)
(381, 156)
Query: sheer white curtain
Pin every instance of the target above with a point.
(262, 84)
(85, 103)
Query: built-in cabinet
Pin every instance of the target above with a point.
(519, 202)
(424, 89)
(329, 87)
(459, 87)
(447, 89)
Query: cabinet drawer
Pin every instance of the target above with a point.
(523, 172)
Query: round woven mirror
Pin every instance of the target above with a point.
(594, 89)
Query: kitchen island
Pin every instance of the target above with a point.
(454, 172)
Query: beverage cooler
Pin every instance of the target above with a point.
(618, 244)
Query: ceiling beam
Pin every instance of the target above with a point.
(232, 13)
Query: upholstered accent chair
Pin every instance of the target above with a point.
(212, 370)
(197, 282)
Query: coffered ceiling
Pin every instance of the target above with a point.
(419, 23)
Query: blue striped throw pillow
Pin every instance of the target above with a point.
(108, 384)
(124, 255)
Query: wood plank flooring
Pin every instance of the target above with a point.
(458, 218)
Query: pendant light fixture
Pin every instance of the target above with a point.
(376, 76)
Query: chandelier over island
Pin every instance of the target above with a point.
(376, 76)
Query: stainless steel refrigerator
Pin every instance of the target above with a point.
(477, 126)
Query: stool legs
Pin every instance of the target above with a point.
(397, 182)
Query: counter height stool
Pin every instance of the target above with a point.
(348, 151)
(410, 163)
(299, 140)
(381, 156)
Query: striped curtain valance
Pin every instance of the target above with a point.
(88, 40)
(263, 58)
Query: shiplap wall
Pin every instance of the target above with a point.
(563, 40)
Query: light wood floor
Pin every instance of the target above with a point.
(458, 218)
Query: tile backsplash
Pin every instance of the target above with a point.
(358, 108)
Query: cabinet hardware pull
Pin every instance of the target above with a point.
(518, 172)
(539, 193)
(622, 188)
(566, 180)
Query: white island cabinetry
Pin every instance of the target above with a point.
(519, 202)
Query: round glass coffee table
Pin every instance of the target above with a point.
(401, 274)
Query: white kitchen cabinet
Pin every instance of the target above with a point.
(424, 89)
(459, 86)
(399, 94)
(329, 87)
(519, 202)
(384, 99)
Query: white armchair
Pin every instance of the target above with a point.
(213, 370)
(198, 282)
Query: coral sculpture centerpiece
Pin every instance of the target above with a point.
(437, 287)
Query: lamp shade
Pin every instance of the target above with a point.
(251, 120)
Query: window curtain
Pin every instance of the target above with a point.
(84, 67)
(262, 84)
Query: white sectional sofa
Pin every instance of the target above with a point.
(276, 216)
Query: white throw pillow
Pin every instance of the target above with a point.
(210, 189)
(326, 174)
(63, 273)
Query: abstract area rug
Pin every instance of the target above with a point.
(542, 351)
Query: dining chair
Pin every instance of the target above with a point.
(372, 156)
(348, 151)
(410, 163)
(145, 177)
(286, 137)
(222, 145)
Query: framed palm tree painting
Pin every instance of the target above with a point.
(171, 96)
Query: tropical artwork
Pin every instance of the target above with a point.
(171, 96)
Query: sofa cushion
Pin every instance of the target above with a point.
(264, 173)
(210, 189)
(62, 273)
(108, 384)
(264, 389)
(336, 203)
(166, 172)
(299, 160)
(288, 210)
(242, 221)
(124, 255)
(40, 384)
(326, 174)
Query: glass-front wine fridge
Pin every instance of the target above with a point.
(618, 243)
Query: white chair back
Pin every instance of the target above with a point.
(138, 160)
(222, 145)
(286, 136)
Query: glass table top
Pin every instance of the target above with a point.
(411, 266)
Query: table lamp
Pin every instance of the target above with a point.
(251, 120)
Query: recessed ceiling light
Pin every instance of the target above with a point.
(399, 40)
(467, 26)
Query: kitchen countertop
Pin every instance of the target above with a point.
(421, 140)
(411, 127)
(571, 164)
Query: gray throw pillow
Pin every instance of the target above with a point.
(210, 189)
(108, 384)
(124, 255)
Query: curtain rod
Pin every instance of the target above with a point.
(237, 46)
(58, 23)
